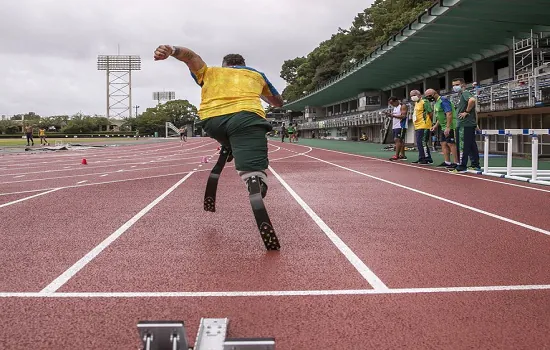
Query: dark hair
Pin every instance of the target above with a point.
(393, 99)
(234, 60)
(462, 81)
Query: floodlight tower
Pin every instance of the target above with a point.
(119, 82)
(164, 96)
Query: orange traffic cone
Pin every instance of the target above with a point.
(84, 162)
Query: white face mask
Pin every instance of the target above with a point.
(415, 98)
(457, 88)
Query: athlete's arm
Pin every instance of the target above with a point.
(188, 56)
(276, 101)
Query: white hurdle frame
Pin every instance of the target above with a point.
(528, 174)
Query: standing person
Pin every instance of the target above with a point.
(466, 125)
(283, 132)
(42, 134)
(398, 113)
(231, 113)
(28, 132)
(291, 130)
(183, 133)
(445, 116)
(422, 118)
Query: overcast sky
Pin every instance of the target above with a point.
(49, 48)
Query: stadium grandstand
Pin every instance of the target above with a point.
(501, 48)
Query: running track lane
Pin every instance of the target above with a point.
(180, 247)
(411, 240)
(520, 204)
(502, 320)
(44, 236)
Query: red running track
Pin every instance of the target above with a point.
(374, 255)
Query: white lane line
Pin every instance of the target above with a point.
(81, 182)
(103, 175)
(133, 179)
(401, 163)
(363, 269)
(80, 264)
(30, 197)
(16, 177)
(277, 293)
(480, 211)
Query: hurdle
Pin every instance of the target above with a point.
(530, 174)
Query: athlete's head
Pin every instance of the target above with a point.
(233, 60)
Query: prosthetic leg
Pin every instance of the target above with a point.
(212, 184)
(257, 190)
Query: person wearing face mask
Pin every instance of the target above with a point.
(445, 117)
(466, 126)
(422, 118)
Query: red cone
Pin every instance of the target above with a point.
(84, 162)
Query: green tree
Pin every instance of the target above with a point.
(346, 47)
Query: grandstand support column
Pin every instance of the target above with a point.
(450, 75)
(483, 70)
(431, 83)
(384, 97)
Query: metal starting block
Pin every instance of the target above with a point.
(171, 335)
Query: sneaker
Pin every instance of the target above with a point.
(474, 168)
(443, 165)
(424, 162)
(403, 157)
(458, 169)
(452, 166)
(394, 158)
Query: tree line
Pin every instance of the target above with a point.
(179, 112)
(338, 54)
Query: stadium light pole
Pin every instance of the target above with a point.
(119, 82)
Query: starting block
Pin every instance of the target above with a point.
(212, 333)
(528, 174)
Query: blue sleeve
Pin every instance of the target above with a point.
(272, 89)
(446, 105)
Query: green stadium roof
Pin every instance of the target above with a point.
(448, 35)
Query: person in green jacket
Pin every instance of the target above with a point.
(445, 117)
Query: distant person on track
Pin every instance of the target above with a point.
(398, 112)
(445, 116)
(284, 132)
(42, 134)
(28, 132)
(183, 134)
(231, 111)
(291, 132)
(422, 118)
(467, 126)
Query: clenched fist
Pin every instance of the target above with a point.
(163, 52)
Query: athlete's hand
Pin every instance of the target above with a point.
(163, 52)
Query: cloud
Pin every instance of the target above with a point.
(49, 49)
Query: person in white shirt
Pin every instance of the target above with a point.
(398, 113)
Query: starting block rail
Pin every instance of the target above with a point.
(212, 333)
(530, 174)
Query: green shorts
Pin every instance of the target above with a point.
(245, 133)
